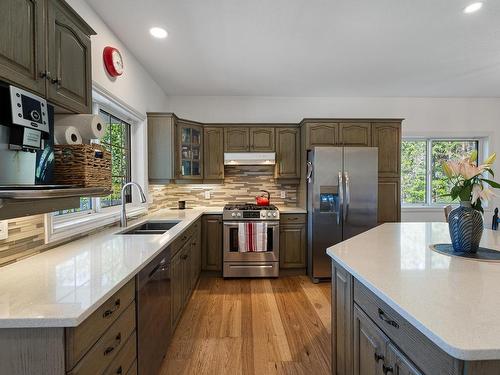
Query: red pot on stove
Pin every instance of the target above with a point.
(263, 200)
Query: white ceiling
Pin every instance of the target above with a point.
(313, 47)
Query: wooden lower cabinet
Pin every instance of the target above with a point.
(389, 200)
(342, 320)
(293, 242)
(176, 285)
(212, 243)
(398, 363)
(369, 345)
(185, 268)
(370, 338)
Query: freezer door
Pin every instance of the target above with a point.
(325, 195)
(361, 190)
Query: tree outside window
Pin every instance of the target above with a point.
(423, 181)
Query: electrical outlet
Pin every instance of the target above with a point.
(283, 194)
(4, 230)
(207, 194)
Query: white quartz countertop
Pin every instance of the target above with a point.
(63, 286)
(455, 302)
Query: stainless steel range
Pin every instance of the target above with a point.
(251, 240)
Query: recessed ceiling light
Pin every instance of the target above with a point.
(158, 32)
(474, 7)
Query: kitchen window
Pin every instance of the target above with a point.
(124, 138)
(423, 182)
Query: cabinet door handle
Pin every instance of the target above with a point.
(112, 310)
(184, 257)
(110, 349)
(387, 369)
(56, 81)
(44, 74)
(119, 370)
(379, 357)
(386, 319)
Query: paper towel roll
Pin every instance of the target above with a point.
(67, 135)
(89, 126)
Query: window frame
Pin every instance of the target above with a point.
(61, 227)
(482, 146)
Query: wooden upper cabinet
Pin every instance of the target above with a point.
(189, 151)
(387, 137)
(161, 146)
(288, 153)
(213, 163)
(322, 134)
(262, 139)
(22, 43)
(69, 60)
(355, 134)
(237, 139)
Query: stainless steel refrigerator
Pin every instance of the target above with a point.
(342, 195)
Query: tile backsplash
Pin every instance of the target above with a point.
(26, 238)
(241, 184)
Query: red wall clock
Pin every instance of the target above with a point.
(113, 61)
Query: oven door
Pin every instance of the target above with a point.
(231, 247)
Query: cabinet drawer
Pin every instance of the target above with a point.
(109, 345)
(80, 339)
(293, 218)
(425, 354)
(124, 359)
(180, 241)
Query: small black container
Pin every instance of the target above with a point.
(181, 205)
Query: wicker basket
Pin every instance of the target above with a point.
(82, 165)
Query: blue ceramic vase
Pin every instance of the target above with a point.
(466, 228)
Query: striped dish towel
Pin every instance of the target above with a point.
(252, 237)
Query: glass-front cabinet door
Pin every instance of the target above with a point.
(190, 151)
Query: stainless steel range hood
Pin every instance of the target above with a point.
(249, 158)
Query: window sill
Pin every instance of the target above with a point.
(61, 229)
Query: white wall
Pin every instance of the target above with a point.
(135, 90)
(135, 87)
(423, 116)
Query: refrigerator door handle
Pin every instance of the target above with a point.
(309, 172)
(341, 198)
(348, 197)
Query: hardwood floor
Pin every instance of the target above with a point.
(253, 326)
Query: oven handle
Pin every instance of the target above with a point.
(251, 266)
(235, 223)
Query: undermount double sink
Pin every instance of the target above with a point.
(151, 227)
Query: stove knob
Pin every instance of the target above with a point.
(238, 214)
(233, 214)
(274, 214)
(268, 214)
(263, 214)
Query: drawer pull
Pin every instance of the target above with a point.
(111, 311)
(387, 369)
(383, 316)
(292, 218)
(379, 357)
(110, 349)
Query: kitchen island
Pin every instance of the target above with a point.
(399, 307)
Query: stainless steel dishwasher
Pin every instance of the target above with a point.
(153, 314)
